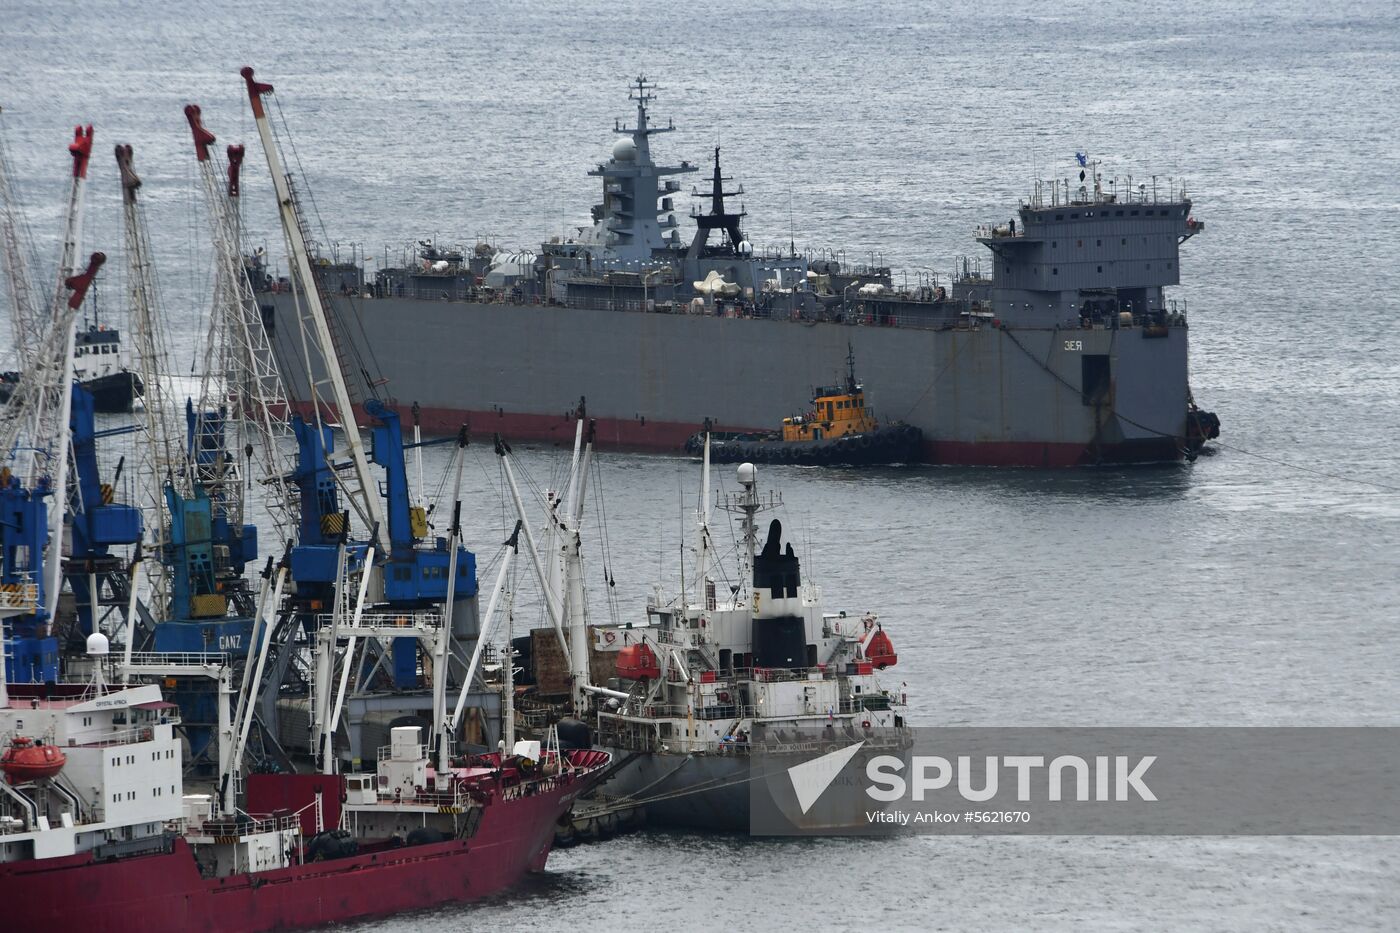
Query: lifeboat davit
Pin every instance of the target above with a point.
(638, 662)
(28, 760)
(880, 650)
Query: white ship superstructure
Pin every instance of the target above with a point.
(723, 672)
(115, 759)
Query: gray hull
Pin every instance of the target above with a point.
(980, 394)
(719, 793)
(667, 785)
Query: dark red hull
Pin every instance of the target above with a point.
(160, 892)
(670, 437)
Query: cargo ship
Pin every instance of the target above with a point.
(725, 688)
(709, 697)
(97, 832)
(1069, 352)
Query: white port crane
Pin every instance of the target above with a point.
(324, 356)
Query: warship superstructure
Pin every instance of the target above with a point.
(1070, 352)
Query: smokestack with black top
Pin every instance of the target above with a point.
(779, 632)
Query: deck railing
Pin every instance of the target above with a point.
(247, 825)
(178, 659)
(854, 311)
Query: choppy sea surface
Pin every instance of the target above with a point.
(1258, 585)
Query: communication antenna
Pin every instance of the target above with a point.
(792, 227)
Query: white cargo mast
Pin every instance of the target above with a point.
(575, 601)
(315, 324)
(563, 590)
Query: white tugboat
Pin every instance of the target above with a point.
(717, 681)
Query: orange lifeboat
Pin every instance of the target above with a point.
(28, 760)
(880, 650)
(638, 662)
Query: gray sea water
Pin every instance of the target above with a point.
(1258, 585)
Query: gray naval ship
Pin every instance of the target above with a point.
(1069, 352)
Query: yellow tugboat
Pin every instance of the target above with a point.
(839, 429)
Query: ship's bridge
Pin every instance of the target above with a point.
(1068, 246)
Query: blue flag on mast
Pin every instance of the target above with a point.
(1083, 159)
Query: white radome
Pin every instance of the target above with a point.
(624, 150)
(748, 473)
(97, 644)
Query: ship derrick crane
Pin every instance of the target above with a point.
(561, 580)
(48, 424)
(160, 458)
(34, 430)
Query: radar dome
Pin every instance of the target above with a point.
(748, 473)
(624, 150)
(97, 644)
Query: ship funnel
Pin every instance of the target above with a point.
(779, 630)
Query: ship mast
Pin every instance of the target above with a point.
(641, 92)
(311, 306)
(748, 504)
(718, 218)
(706, 544)
(576, 604)
(636, 219)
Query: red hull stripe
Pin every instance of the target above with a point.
(670, 437)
